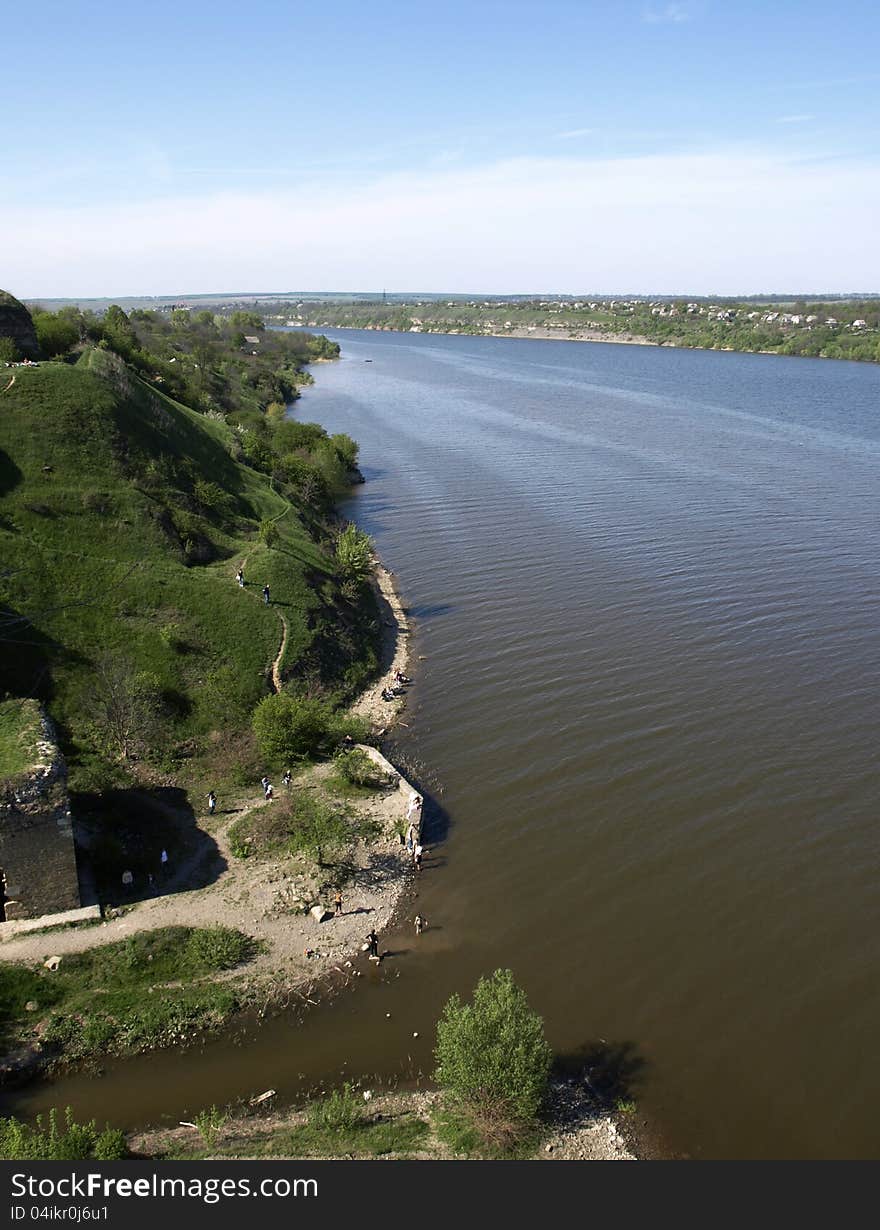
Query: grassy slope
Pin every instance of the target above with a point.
(19, 729)
(90, 568)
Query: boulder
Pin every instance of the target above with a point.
(319, 913)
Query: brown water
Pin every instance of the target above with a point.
(646, 589)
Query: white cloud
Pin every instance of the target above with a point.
(670, 14)
(573, 132)
(734, 221)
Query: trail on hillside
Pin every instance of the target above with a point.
(9, 386)
(276, 665)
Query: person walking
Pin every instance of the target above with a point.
(212, 802)
(285, 780)
(421, 923)
(266, 594)
(337, 904)
(268, 792)
(373, 945)
(264, 782)
(417, 857)
(239, 576)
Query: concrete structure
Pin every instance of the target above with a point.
(37, 858)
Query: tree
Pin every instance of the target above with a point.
(289, 727)
(8, 350)
(54, 334)
(493, 1060)
(269, 532)
(354, 558)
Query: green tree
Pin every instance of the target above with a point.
(354, 558)
(54, 334)
(8, 350)
(493, 1060)
(289, 727)
(269, 532)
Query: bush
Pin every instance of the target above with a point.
(290, 727)
(218, 948)
(269, 532)
(356, 767)
(354, 557)
(340, 1111)
(493, 1059)
(74, 1142)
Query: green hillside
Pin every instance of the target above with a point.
(123, 519)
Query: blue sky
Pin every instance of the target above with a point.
(697, 145)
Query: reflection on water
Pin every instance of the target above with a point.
(645, 586)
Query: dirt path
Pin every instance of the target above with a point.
(266, 897)
(9, 386)
(276, 665)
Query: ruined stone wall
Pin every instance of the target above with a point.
(37, 855)
(15, 322)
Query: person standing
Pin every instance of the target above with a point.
(417, 857)
(239, 576)
(373, 944)
(421, 923)
(268, 793)
(337, 904)
(285, 780)
(212, 802)
(266, 594)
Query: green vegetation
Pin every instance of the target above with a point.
(19, 730)
(299, 823)
(829, 328)
(210, 1123)
(493, 1064)
(149, 990)
(124, 517)
(22, 1142)
(358, 769)
(291, 726)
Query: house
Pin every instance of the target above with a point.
(252, 341)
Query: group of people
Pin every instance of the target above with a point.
(239, 576)
(397, 688)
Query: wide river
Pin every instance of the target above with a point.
(645, 586)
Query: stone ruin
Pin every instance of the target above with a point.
(38, 872)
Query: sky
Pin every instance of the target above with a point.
(701, 146)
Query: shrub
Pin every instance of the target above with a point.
(493, 1059)
(209, 1124)
(73, 1142)
(269, 532)
(290, 727)
(218, 948)
(356, 767)
(340, 1111)
(354, 558)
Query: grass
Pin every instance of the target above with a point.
(19, 729)
(113, 568)
(152, 989)
(299, 823)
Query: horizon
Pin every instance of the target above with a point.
(655, 144)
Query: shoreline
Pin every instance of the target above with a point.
(524, 333)
(305, 955)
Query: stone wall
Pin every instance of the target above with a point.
(15, 322)
(37, 856)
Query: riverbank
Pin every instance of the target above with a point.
(302, 945)
(404, 1124)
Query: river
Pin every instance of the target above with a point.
(645, 587)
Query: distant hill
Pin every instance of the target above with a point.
(123, 518)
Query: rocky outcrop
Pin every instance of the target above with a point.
(15, 322)
(37, 856)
